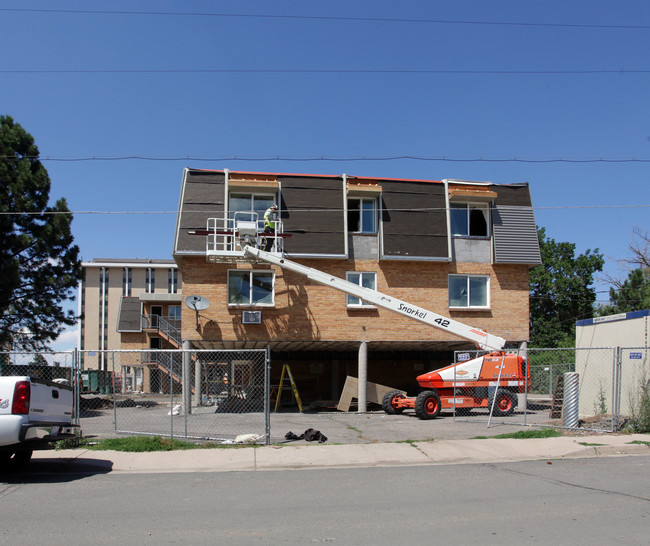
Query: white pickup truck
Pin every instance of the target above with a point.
(33, 413)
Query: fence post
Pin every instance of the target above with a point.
(187, 375)
(267, 394)
(616, 389)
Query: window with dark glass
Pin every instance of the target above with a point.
(150, 280)
(364, 279)
(126, 281)
(250, 287)
(242, 203)
(469, 291)
(172, 280)
(362, 215)
(469, 220)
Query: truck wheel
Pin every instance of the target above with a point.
(21, 458)
(427, 405)
(12, 461)
(388, 403)
(505, 403)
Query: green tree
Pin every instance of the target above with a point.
(39, 265)
(561, 292)
(632, 293)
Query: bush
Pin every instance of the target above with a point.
(640, 406)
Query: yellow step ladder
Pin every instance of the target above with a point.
(285, 367)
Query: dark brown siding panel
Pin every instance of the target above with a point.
(202, 199)
(312, 212)
(414, 220)
(129, 317)
(517, 195)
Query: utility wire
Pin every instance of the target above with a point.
(329, 18)
(305, 159)
(337, 210)
(585, 72)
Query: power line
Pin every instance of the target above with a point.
(330, 18)
(426, 209)
(586, 72)
(335, 158)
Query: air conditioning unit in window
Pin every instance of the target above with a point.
(251, 317)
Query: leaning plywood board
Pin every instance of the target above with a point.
(374, 393)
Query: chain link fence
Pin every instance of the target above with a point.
(225, 395)
(190, 394)
(609, 382)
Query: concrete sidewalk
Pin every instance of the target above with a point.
(303, 455)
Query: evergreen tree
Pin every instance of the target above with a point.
(632, 295)
(39, 265)
(633, 292)
(561, 292)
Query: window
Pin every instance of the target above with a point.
(471, 291)
(362, 215)
(126, 281)
(249, 202)
(367, 280)
(250, 287)
(469, 220)
(172, 281)
(150, 280)
(174, 315)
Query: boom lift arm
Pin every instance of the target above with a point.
(482, 339)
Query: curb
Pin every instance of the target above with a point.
(265, 458)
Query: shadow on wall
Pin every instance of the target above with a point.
(294, 321)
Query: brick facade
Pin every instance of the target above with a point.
(305, 310)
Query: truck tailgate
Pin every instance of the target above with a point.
(50, 402)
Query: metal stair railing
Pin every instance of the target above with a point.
(169, 330)
(170, 362)
(164, 326)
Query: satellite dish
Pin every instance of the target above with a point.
(198, 303)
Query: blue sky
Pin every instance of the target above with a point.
(295, 79)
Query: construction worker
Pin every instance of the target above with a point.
(269, 225)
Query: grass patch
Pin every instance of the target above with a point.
(524, 434)
(589, 444)
(640, 442)
(359, 433)
(143, 444)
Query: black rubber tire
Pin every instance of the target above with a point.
(21, 458)
(505, 404)
(428, 405)
(13, 461)
(387, 402)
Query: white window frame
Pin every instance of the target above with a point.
(271, 197)
(485, 207)
(252, 273)
(354, 302)
(374, 202)
(468, 278)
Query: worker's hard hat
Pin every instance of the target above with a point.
(274, 206)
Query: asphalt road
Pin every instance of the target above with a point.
(588, 501)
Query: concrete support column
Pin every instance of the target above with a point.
(187, 368)
(363, 378)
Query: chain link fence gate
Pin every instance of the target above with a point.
(189, 394)
(609, 380)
